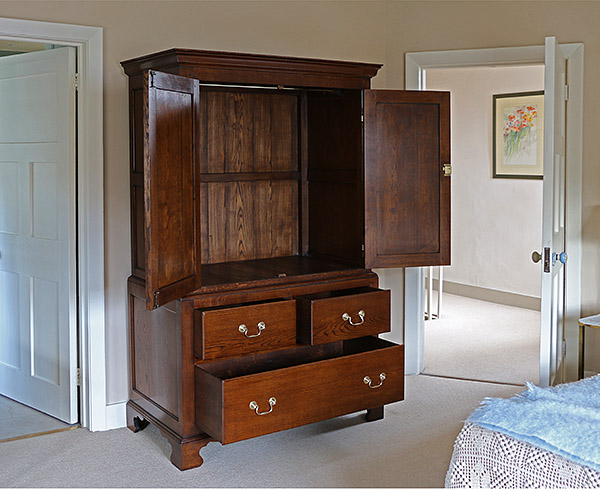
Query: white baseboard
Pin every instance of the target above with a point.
(490, 295)
(116, 416)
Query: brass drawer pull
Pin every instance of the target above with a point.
(367, 380)
(361, 315)
(243, 329)
(254, 406)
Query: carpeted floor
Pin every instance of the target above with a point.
(410, 447)
(483, 341)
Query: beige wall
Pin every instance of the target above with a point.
(371, 31)
(496, 222)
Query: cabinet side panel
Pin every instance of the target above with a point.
(137, 225)
(156, 372)
(137, 94)
(334, 149)
(332, 217)
(209, 404)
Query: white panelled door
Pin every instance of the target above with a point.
(553, 221)
(38, 298)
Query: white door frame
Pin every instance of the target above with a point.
(415, 70)
(90, 204)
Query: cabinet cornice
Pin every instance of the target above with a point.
(256, 69)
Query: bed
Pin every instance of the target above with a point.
(546, 438)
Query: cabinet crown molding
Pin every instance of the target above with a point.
(251, 69)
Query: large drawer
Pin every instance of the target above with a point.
(238, 399)
(343, 314)
(244, 330)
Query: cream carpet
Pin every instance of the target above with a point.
(410, 447)
(483, 341)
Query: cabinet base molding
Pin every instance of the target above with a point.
(185, 452)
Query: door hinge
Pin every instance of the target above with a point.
(151, 73)
(362, 118)
(447, 170)
(78, 377)
(546, 260)
(564, 348)
(76, 81)
(566, 93)
(156, 299)
(362, 249)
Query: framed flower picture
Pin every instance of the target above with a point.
(518, 135)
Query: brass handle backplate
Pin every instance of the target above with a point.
(244, 329)
(367, 380)
(254, 406)
(361, 315)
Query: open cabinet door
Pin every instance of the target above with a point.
(407, 182)
(170, 209)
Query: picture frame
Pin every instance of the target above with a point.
(518, 135)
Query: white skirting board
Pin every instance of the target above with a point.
(490, 295)
(116, 416)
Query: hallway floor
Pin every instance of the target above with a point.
(478, 340)
(20, 421)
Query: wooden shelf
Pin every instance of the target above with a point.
(268, 271)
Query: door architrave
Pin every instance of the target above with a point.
(416, 65)
(94, 413)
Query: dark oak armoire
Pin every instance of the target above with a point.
(264, 189)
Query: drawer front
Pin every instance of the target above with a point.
(289, 397)
(324, 320)
(245, 330)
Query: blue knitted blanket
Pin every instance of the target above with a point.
(564, 419)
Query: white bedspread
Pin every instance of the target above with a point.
(485, 458)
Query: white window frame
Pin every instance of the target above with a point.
(95, 414)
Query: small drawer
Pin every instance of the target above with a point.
(244, 330)
(236, 400)
(343, 314)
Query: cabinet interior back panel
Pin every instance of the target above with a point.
(248, 131)
(247, 220)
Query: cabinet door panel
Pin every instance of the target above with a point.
(172, 250)
(407, 196)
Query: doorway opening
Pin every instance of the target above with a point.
(38, 239)
(572, 54)
(489, 326)
(94, 413)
